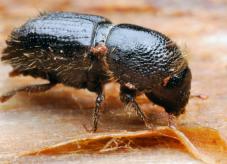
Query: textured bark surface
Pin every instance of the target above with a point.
(52, 123)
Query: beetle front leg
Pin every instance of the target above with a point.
(171, 120)
(29, 89)
(127, 96)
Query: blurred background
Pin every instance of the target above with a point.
(199, 27)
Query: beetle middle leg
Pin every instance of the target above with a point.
(95, 86)
(127, 96)
(96, 112)
(29, 89)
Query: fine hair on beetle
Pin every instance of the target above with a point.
(88, 51)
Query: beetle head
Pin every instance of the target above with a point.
(174, 92)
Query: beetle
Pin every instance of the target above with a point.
(88, 51)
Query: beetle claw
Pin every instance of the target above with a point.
(149, 125)
(92, 130)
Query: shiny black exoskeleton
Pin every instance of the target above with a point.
(88, 51)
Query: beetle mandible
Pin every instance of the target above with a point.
(88, 51)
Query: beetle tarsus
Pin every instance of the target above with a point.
(98, 105)
(28, 89)
(140, 113)
(171, 120)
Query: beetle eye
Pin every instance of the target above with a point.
(176, 80)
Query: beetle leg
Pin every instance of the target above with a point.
(127, 96)
(171, 120)
(98, 105)
(29, 89)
